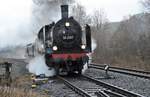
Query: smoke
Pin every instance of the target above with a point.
(13, 52)
(46, 11)
(37, 66)
(22, 20)
(85, 67)
(20, 25)
(94, 45)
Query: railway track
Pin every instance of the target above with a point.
(137, 73)
(90, 87)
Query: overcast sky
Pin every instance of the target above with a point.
(15, 16)
(115, 9)
(14, 19)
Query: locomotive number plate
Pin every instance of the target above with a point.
(68, 37)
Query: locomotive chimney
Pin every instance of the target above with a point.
(64, 11)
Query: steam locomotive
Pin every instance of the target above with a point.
(65, 44)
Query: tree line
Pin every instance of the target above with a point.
(125, 43)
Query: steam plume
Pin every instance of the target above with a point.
(94, 45)
(37, 66)
(44, 12)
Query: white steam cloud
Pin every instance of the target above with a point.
(20, 20)
(37, 66)
(44, 12)
(85, 67)
(94, 45)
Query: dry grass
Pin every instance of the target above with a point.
(23, 81)
(20, 87)
(130, 62)
(16, 92)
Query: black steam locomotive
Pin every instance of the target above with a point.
(66, 44)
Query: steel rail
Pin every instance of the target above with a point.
(113, 88)
(126, 69)
(114, 94)
(101, 94)
(75, 88)
(122, 71)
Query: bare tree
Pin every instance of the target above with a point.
(40, 2)
(144, 39)
(99, 19)
(146, 4)
(124, 39)
(79, 13)
(100, 27)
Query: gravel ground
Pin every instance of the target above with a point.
(131, 83)
(21, 79)
(56, 88)
(86, 85)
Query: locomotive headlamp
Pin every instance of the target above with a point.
(67, 24)
(55, 48)
(83, 46)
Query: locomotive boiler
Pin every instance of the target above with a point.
(65, 43)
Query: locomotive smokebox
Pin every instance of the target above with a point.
(64, 11)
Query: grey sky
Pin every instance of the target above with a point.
(15, 16)
(115, 9)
